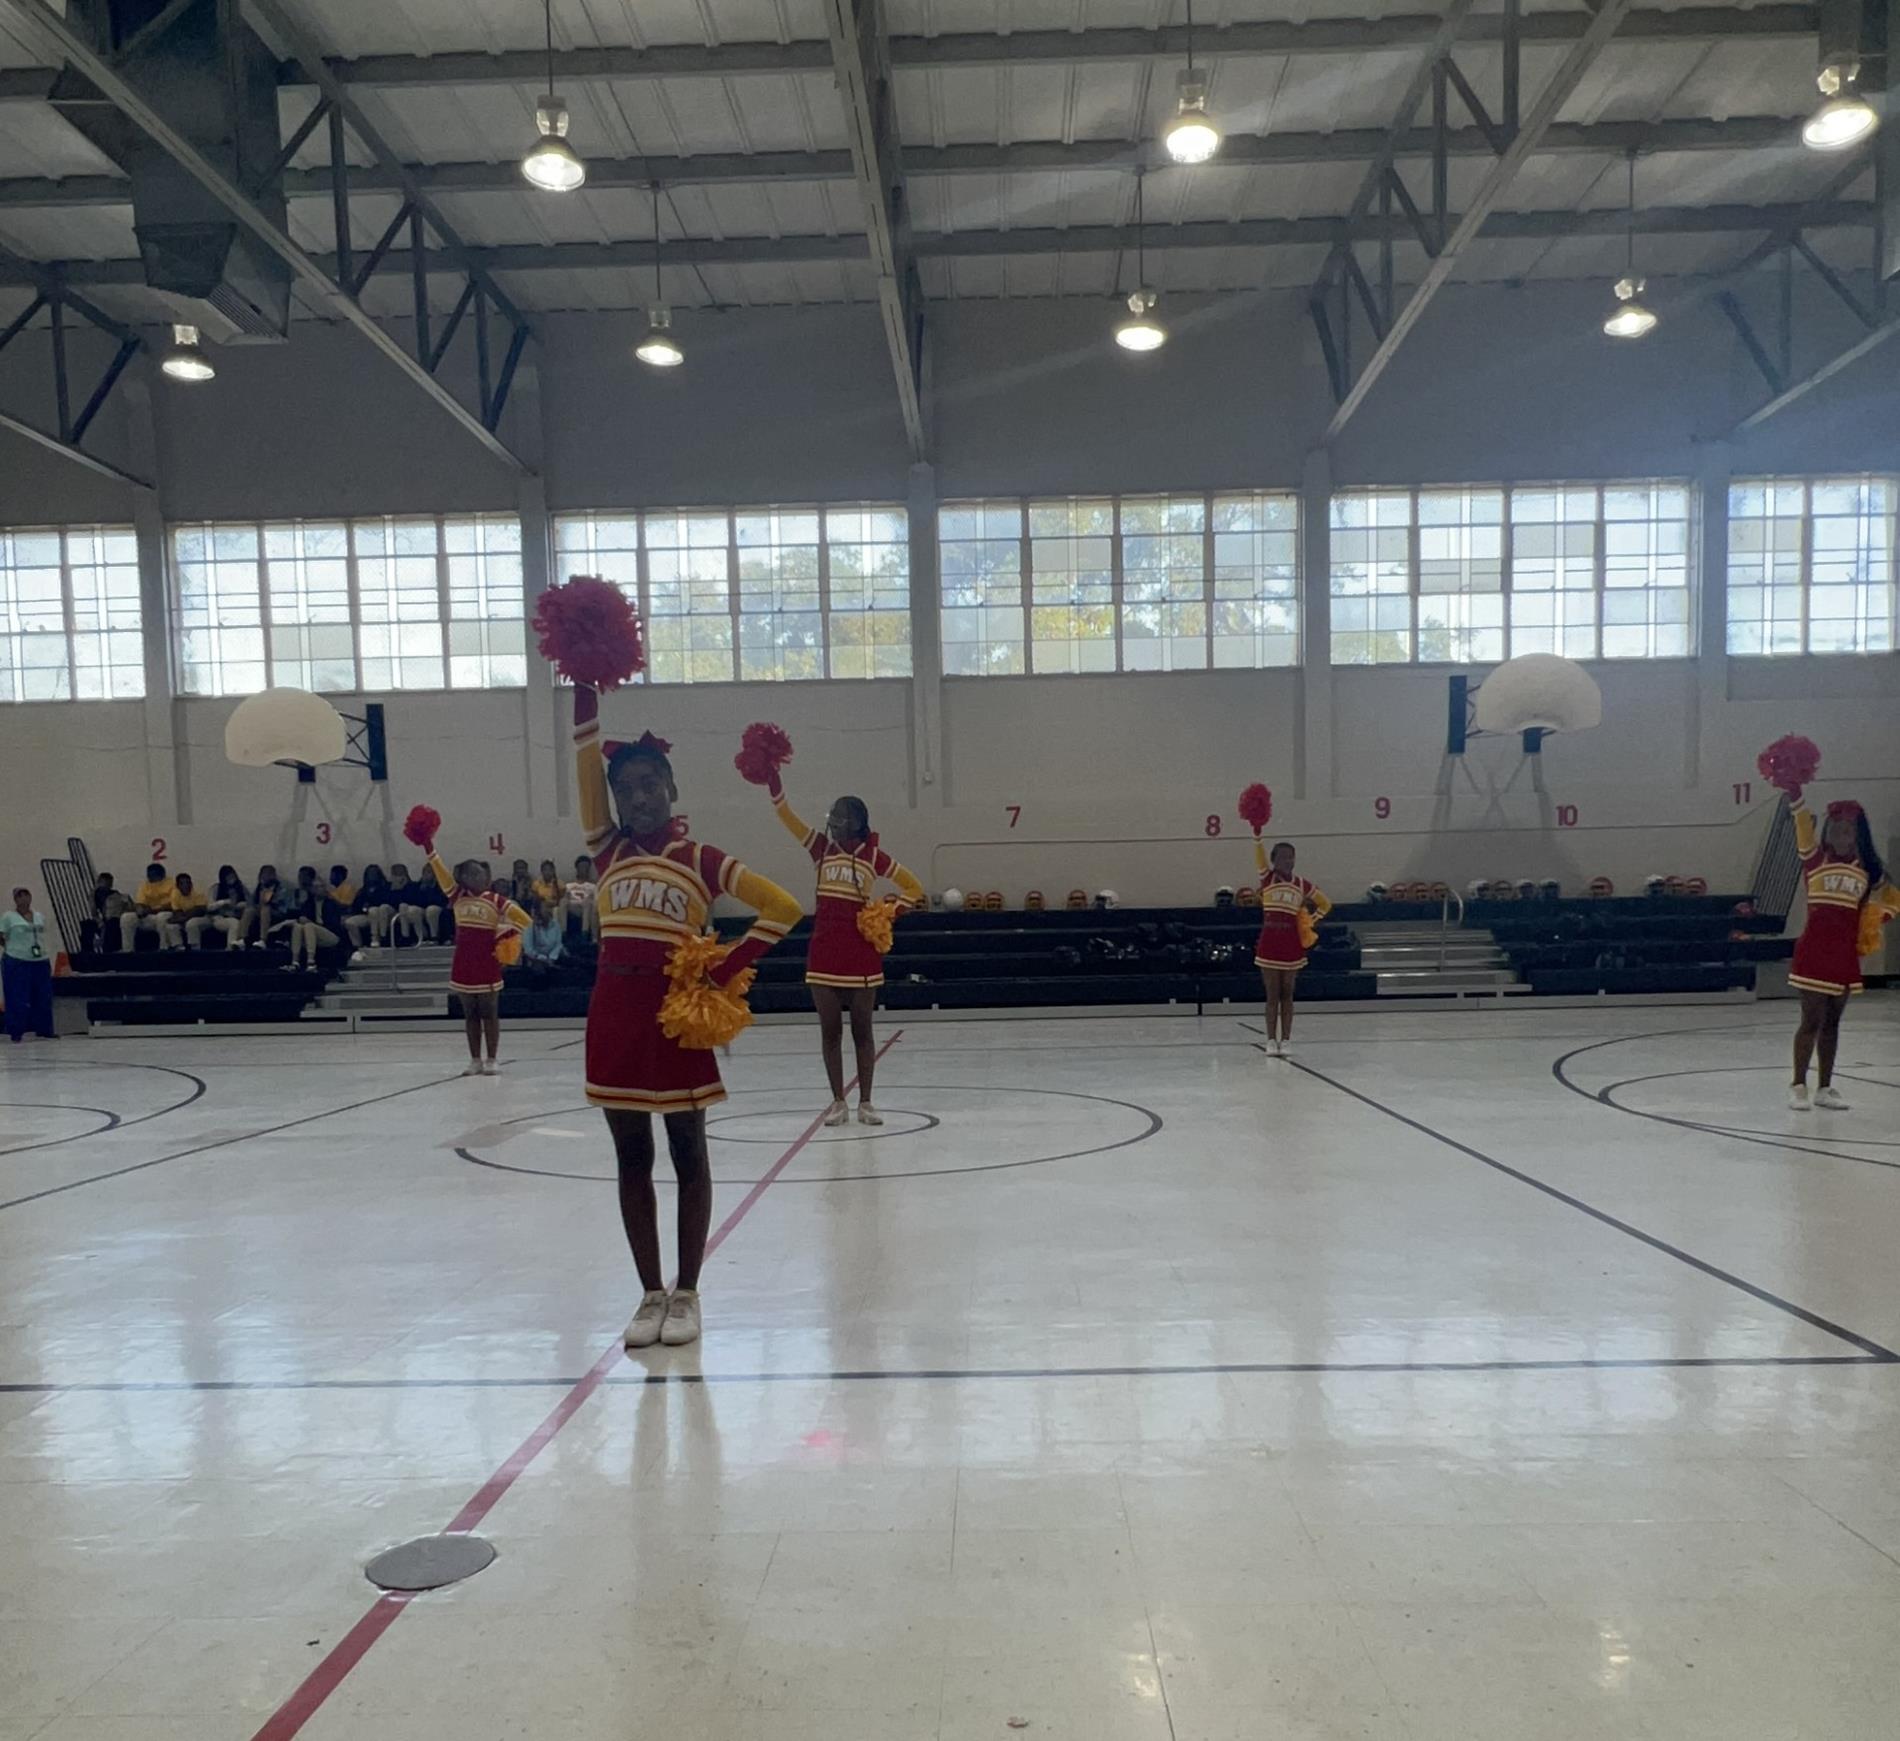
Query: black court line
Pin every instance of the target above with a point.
(1603, 1097)
(197, 1093)
(111, 1122)
(967, 1374)
(1748, 1133)
(222, 1143)
(1852, 1338)
(1465, 1037)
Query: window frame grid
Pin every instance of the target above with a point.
(352, 559)
(1806, 482)
(1118, 575)
(69, 615)
(1600, 489)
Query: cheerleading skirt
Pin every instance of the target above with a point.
(839, 956)
(474, 969)
(1279, 948)
(631, 1065)
(1827, 957)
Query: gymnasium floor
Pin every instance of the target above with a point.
(1520, 1377)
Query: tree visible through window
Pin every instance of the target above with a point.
(70, 617)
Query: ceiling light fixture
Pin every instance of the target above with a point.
(659, 349)
(1141, 331)
(1629, 319)
(1846, 117)
(1191, 136)
(184, 358)
(552, 164)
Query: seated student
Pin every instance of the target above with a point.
(371, 911)
(521, 882)
(542, 949)
(336, 897)
(151, 910)
(581, 910)
(188, 907)
(262, 915)
(303, 919)
(547, 885)
(101, 931)
(405, 900)
(224, 913)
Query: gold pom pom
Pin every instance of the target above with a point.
(697, 1013)
(875, 922)
(1873, 919)
(1309, 930)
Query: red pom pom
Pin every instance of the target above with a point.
(1256, 807)
(1790, 762)
(590, 633)
(764, 750)
(421, 826)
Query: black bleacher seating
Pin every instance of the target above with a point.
(185, 986)
(1666, 943)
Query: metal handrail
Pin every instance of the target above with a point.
(1444, 921)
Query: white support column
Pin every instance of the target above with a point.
(926, 643)
(542, 704)
(167, 773)
(1706, 740)
(1313, 761)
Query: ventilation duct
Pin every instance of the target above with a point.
(213, 79)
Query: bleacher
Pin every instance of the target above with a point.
(186, 986)
(1668, 943)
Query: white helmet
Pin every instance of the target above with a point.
(1377, 892)
(1108, 898)
(951, 900)
(1478, 888)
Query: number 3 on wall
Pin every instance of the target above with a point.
(158, 849)
(323, 834)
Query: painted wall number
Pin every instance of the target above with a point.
(158, 849)
(1211, 828)
(497, 844)
(323, 834)
(1015, 813)
(1744, 790)
(1566, 816)
(1382, 808)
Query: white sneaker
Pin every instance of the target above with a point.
(682, 1319)
(1274, 1047)
(1798, 1098)
(472, 1068)
(1831, 1098)
(643, 1328)
(289, 967)
(836, 1113)
(490, 1067)
(868, 1114)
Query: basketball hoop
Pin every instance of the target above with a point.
(291, 728)
(1534, 694)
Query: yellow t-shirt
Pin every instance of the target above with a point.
(183, 903)
(159, 896)
(549, 892)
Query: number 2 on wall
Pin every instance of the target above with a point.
(158, 849)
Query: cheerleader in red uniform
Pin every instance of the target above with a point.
(843, 968)
(655, 890)
(1285, 934)
(482, 920)
(1845, 880)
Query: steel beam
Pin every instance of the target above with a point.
(861, 59)
(1800, 389)
(1596, 37)
(31, 19)
(1355, 145)
(47, 439)
(1542, 226)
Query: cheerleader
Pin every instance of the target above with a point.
(843, 968)
(482, 920)
(1845, 879)
(655, 889)
(1286, 933)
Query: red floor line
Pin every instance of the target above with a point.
(323, 1680)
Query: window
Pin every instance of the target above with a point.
(1476, 575)
(422, 602)
(1131, 583)
(779, 594)
(1810, 565)
(70, 623)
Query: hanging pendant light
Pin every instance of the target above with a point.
(552, 164)
(1846, 117)
(1629, 319)
(659, 349)
(184, 358)
(1141, 331)
(1191, 136)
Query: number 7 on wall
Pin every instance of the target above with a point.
(1015, 813)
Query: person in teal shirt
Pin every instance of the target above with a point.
(26, 970)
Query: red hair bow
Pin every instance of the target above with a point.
(1847, 807)
(645, 741)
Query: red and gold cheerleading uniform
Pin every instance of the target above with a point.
(653, 892)
(840, 954)
(1282, 899)
(481, 920)
(1827, 956)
